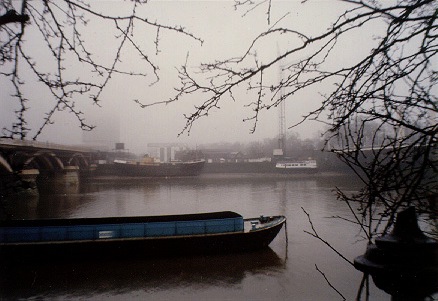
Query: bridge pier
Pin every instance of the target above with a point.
(28, 179)
(18, 183)
(31, 182)
(69, 176)
(60, 181)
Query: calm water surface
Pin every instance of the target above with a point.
(285, 271)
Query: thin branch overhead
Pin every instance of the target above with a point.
(380, 105)
(371, 81)
(61, 26)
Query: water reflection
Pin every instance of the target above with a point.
(94, 278)
(265, 275)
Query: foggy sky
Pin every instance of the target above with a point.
(225, 33)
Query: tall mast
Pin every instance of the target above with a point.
(282, 125)
(281, 112)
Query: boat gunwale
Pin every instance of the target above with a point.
(280, 220)
(140, 163)
(119, 220)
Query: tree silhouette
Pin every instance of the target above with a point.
(392, 88)
(61, 26)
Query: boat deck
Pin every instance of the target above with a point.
(97, 229)
(262, 222)
(136, 236)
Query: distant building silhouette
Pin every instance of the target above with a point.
(105, 135)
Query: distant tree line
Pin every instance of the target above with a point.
(295, 148)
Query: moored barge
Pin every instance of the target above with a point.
(149, 168)
(215, 232)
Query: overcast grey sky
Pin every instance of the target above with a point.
(226, 34)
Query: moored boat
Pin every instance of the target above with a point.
(215, 232)
(307, 166)
(150, 168)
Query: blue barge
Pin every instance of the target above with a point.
(189, 233)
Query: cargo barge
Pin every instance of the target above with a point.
(215, 232)
(149, 168)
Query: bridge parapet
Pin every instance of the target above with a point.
(14, 143)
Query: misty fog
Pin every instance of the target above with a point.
(226, 32)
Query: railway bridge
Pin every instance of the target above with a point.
(28, 165)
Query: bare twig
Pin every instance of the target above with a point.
(61, 25)
(316, 235)
(328, 282)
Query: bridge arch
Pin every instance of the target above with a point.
(79, 160)
(43, 160)
(5, 166)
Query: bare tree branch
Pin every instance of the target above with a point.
(381, 109)
(11, 16)
(61, 25)
(315, 234)
(328, 282)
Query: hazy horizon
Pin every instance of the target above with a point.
(225, 33)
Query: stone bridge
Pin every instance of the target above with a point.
(24, 165)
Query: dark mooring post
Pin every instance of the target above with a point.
(403, 263)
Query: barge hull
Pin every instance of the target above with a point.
(226, 241)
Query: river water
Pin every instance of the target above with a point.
(297, 266)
